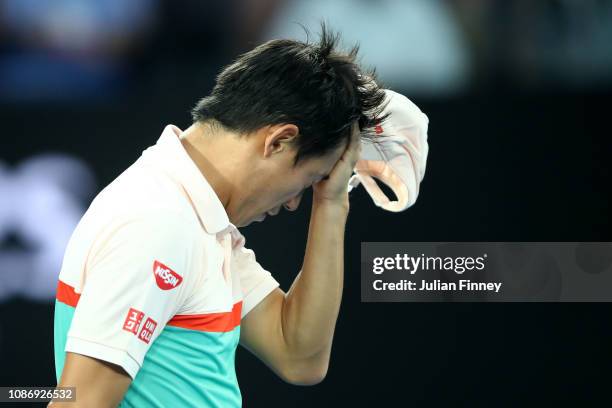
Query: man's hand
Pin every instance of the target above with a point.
(334, 188)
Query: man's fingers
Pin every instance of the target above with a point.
(356, 143)
(353, 149)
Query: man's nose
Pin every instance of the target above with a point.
(294, 203)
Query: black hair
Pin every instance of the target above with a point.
(320, 89)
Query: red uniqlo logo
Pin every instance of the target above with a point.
(132, 321)
(147, 330)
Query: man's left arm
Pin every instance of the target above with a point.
(292, 332)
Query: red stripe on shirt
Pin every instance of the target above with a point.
(210, 322)
(66, 294)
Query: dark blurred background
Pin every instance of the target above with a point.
(518, 96)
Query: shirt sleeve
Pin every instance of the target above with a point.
(256, 283)
(136, 279)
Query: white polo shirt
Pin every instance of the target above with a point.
(156, 280)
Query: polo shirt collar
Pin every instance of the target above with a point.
(169, 154)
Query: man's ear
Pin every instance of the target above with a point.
(279, 138)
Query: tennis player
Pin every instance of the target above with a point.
(157, 287)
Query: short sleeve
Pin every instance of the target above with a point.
(256, 283)
(136, 279)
